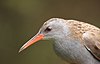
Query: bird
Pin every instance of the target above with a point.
(76, 42)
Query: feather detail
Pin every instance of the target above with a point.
(92, 43)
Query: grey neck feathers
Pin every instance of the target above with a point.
(73, 51)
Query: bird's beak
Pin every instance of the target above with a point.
(32, 41)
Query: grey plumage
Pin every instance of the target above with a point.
(74, 41)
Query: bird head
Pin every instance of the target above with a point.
(54, 28)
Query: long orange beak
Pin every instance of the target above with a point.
(32, 41)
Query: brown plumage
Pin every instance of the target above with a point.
(88, 34)
(76, 42)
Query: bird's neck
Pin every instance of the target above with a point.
(73, 51)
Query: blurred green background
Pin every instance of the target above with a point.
(21, 19)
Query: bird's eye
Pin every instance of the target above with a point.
(48, 29)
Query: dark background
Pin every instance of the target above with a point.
(21, 19)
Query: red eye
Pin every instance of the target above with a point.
(48, 29)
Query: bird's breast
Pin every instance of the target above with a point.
(72, 51)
